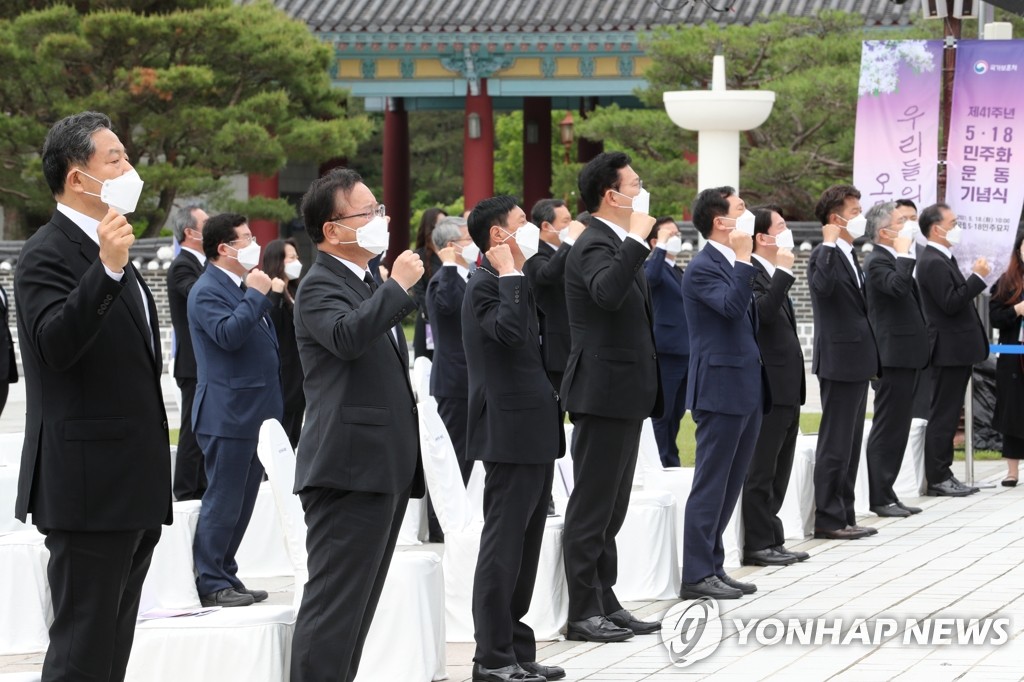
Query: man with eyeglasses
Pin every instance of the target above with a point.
(238, 387)
(359, 453)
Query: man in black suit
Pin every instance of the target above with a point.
(907, 210)
(894, 310)
(611, 385)
(445, 292)
(515, 430)
(768, 475)
(546, 274)
(728, 393)
(96, 464)
(8, 363)
(359, 453)
(845, 359)
(956, 337)
(671, 337)
(189, 470)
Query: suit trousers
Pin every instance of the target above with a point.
(674, 369)
(768, 478)
(949, 384)
(843, 404)
(604, 459)
(234, 473)
(725, 445)
(189, 469)
(890, 431)
(95, 582)
(515, 511)
(350, 538)
(454, 413)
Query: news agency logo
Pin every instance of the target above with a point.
(691, 631)
(980, 66)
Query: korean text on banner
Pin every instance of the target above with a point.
(896, 146)
(985, 180)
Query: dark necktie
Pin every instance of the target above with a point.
(131, 283)
(370, 282)
(856, 267)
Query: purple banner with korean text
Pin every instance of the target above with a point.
(985, 178)
(896, 146)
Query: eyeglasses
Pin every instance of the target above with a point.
(246, 241)
(378, 212)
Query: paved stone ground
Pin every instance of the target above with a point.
(962, 558)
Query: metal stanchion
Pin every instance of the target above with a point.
(969, 433)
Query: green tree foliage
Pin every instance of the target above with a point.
(508, 159)
(811, 63)
(195, 94)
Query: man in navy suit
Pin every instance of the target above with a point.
(238, 388)
(845, 359)
(445, 291)
(515, 429)
(727, 392)
(671, 338)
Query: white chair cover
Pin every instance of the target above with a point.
(414, 524)
(263, 552)
(441, 470)
(27, 611)
(170, 582)
(797, 513)
(911, 482)
(646, 544)
(475, 493)
(421, 378)
(411, 602)
(21, 677)
(10, 467)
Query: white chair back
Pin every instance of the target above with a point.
(475, 493)
(440, 468)
(650, 458)
(421, 378)
(278, 458)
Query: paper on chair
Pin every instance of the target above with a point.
(154, 614)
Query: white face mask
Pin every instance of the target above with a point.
(784, 239)
(674, 245)
(470, 253)
(641, 203)
(121, 193)
(745, 223)
(910, 229)
(856, 226)
(954, 235)
(373, 236)
(528, 238)
(563, 234)
(248, 257)
(293, 270)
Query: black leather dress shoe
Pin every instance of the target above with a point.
(509, 673)
(227, 597)
(799, 556)
(947, 488)
(257, 595)
(625, 619)
(596, 629)
(709, 587)
(848, 533)
(891, 511)
(912, 510)
(973, 489)
(745, 588)
(767, 557)
(548, 672)
(868, 530)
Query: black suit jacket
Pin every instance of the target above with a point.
(444, 308)
(955, 333)
(613, 366)
(671, 335)
(8, 363)
(894, 309)
(362, 428)
(777, 337)
(96, 454)
(546, 274)
(844, 343)
(282, 314)
(514, 414)
(181, 276)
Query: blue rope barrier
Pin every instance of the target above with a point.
(1013, 349)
